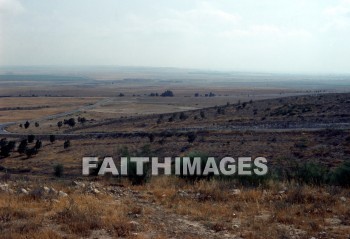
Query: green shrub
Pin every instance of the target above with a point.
(132, 166)
(311, 173)
(341, 175)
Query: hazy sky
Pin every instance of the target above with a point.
(261, 35)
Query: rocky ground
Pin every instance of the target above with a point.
(114, 209)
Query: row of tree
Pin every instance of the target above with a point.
(24, 147)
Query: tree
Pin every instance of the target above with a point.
(151, 137)
(21, 125)
(167, 93)
(58, 170)
(81, 120)
(22, 146)
(202, 114)
(31, 152)
(66, 144)
(38, 144)
(52, 138)
(11, 145)
(191, 136)
(183, 116)
(31, 138)
(5, 151)
(70, 122)
(26, 125)
(36, 124)
(59, 124)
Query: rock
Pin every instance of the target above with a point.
(38, 193)
(182, 193)
(4, 187)
(333, 221)
(79, 184)
(62, 194)
(55, 201)
(343, 199)
(23, 191)
(135, 226)
(95, 191)
(46, 190)
(282, 192)
(53, 191)
(236, 192)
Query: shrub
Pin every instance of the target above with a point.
(58, 170)
(151, 137)
(66, 144)
(134, 177)
(167, 93)
(311, 173)
(132, 166)
(11, 145)
(183, 116)
(191, 136)
(31, 138)
(52, 138)
(32, 151)
(26, 125)
(22, 146)
(70, 122)
(5, 151)
(341, 176)
(38, 144)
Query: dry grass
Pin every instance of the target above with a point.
(163, 206)
(302, 209)
(77, 215)
(51, 105)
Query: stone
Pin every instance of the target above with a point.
(95, 191)
(236, 192)
(52, 191)
(62, 194)
(23, 191)
(4, 187)
(79, 184)
(134, 225)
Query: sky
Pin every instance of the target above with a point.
(299, 36)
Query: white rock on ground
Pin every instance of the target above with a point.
(62, 194)
(23, 191)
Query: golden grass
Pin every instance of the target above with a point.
(77, 215)
(51, 105)
(250, 212)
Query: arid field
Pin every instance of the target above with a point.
(303, 133)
